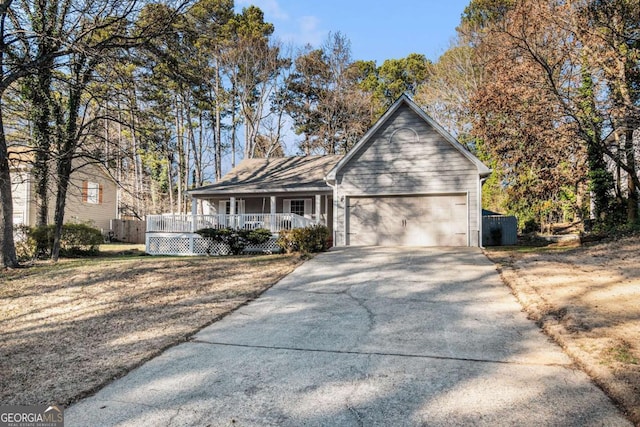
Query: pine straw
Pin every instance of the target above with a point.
(68, 329)
(588, 300)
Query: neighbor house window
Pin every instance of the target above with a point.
(91, 192)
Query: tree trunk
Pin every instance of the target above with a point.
(7, 244)
(632, 191)
(64, 174)
(66, 153)
(234, 125)
(197, 160)
(180, 154)
(137, 161)
(218, 127)
(600, 179)
(40, 114)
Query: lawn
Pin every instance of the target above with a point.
(69, 328)
(587, 298)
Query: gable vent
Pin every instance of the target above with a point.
(404, 130)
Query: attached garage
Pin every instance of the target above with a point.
(408, 220)
(407, 182)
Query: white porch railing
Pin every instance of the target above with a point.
(185, 223)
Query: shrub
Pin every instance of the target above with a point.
(76, 239)
(80, 239)
(530, 226)
(25, 243)
(314, 238)
(237, 240)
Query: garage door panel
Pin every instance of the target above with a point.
(408, 221)
(372, 214)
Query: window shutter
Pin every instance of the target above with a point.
(240, 208)
(286, 207)
(307, 208)
(85, 191)
(222, 207)
(100, 195)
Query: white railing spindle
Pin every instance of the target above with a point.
(183, 223)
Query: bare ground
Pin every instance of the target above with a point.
(67, 329)
(587, 299)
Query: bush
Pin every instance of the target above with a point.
(80, 239)
(314, 238)
(237, 240)
(531, 226)
(76, 239)
(25, 243)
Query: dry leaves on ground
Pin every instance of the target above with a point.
(587, 299)
(67, 329)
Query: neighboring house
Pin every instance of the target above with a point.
(91, 196)
(406, 182)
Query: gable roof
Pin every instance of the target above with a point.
(281, 174)
(483, 170)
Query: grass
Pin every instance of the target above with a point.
(534, 249)
(69, 328)
(622, 353)
(586, 299)
(121, 248)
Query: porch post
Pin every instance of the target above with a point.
(272, 218)
(318, 208)
(326, 210)
(232, 205)
(194, 212)
(232, 212)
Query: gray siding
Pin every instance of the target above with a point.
(407, 156)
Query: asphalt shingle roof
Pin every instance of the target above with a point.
(282, 174)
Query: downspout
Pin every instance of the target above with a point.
(334, 187)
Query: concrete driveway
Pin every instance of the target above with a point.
(362, 337)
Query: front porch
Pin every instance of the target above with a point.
(175, 234)
(190, 223)
(276, 194)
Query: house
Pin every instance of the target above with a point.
(92, 196)
(290, 185)
(407, 182)
(276, 193)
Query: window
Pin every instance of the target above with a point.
(300, 207)
(91, 192)
(225, 207)
(297, 207)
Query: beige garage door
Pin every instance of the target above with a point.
(407, 221)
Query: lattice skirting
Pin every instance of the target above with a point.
(193, 244)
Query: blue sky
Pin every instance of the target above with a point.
(378, 30)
